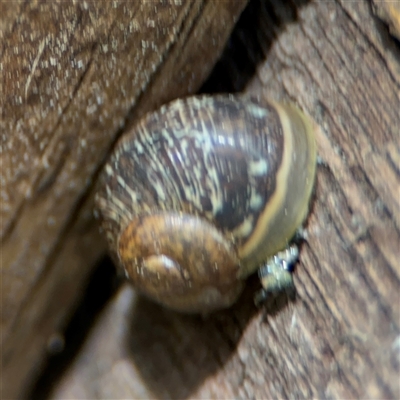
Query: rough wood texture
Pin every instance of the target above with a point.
(74, 74)
(341, 337)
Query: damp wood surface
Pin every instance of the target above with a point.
(339, 339)
(73, 75)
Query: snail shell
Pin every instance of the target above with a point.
(201, 192)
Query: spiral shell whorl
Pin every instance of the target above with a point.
(164, 260)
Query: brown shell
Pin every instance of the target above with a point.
(155, 249)
(233, 170)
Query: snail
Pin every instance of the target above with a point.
(199, 194)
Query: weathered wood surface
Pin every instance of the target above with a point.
(73, 74)
(341, 337)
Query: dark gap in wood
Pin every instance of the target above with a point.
(245, 50)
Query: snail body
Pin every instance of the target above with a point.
(203, 191)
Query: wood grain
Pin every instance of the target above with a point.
(341, 337)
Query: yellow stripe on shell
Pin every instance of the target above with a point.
(263, 242)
